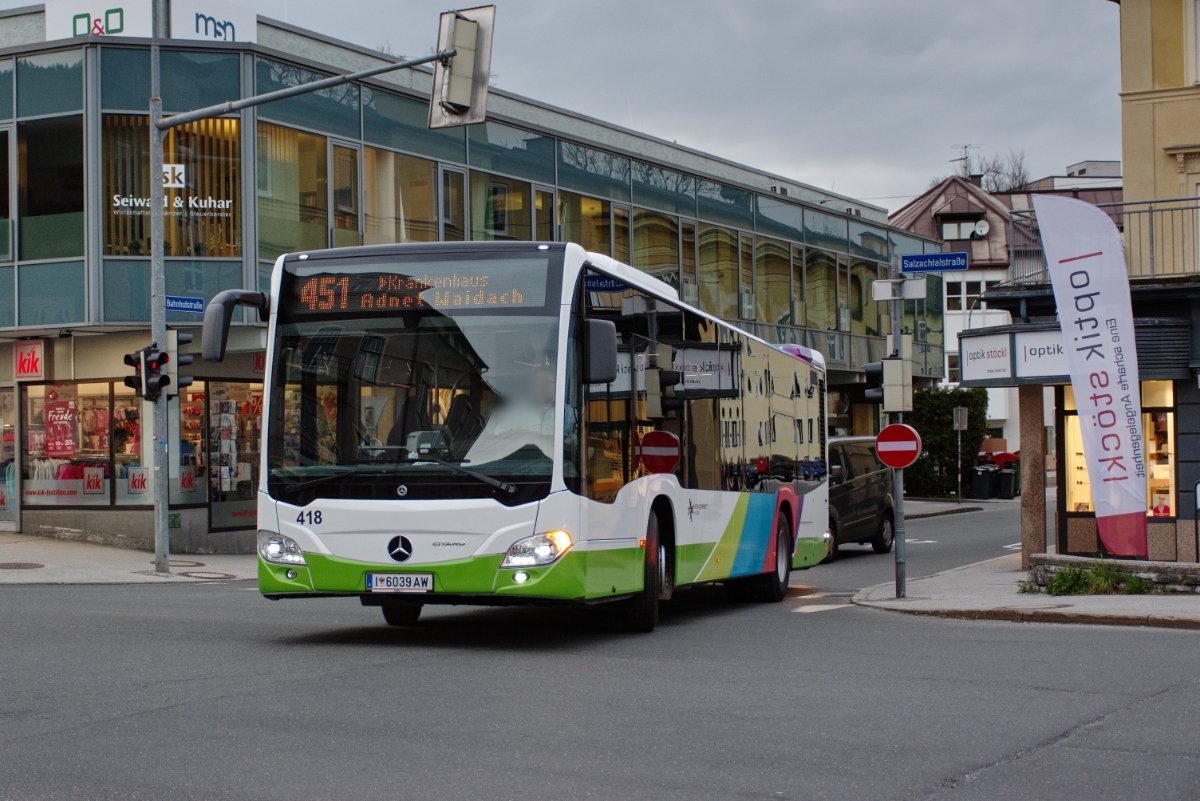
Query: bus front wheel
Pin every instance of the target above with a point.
(641, 614)
(401, 614)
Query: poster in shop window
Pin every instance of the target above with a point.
(1086, 257)
(60, 429)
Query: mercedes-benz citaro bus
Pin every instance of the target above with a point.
(505, 423)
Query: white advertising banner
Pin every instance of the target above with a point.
(986, 358)
(66, 19)
(1086, 258)
(213, 21)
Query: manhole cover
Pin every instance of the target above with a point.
(182, 563)
(19, 565)
(204, 574)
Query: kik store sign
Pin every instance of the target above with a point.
(206, 20)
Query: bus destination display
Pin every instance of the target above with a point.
(488, 286)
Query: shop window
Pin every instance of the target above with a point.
(69, 439)
(621, 234)
(688, 291)
(234, 433)
(934, 318)
(746, 285)
(718, 271)
(799, 308)
(772, 281)
(454, 206)
(203, 194)
(401, 198)
(1158, 435)
(543, 214)
(725, 205)
(8, 306)
(504, 149)
(778, 218)
(903, 245)
(826, 231)
(656, 245)
(334, 110)
(345, 198)
(50, 191)
(188, 474)
(586, 221)
(820, 272)
(293, 208)
(868, 241)
(501, 208)
(51, 293)
(50, 83)
(6, 88)
(402, 123)
(665, 190)
(594, 172)
(8, 449)
(864, 311)
(190, 79)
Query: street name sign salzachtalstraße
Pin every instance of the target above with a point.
(182, 304)
(898, 446)
(933, 263)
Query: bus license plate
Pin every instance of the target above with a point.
(399, 582)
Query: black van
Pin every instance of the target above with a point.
(860, 496)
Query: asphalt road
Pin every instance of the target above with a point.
(209, 691)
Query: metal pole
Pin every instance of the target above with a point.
(958, 495)
(158, 309)
(898, 486)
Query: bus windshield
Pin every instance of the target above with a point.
(416, 379)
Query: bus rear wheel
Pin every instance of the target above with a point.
(772, 587)
(641, 612)
(401, 614)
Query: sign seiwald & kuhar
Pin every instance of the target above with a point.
(1086, 258)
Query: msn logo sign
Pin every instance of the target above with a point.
(211, 28)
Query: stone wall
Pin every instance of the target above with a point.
(1166, 576)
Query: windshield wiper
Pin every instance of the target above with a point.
(498, 484)
(297, 486)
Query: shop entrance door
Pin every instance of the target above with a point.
(545, 226)
(10, 467)
(345, 197)
(453, 205)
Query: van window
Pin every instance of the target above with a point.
(838, 459)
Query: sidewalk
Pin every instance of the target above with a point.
(918, 509)
(988, 591)
(30, 559)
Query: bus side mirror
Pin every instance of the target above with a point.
(600, 352)
(219, 314)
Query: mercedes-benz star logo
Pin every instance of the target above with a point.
(401, 490)
(400, 549)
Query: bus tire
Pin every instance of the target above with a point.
(641, 611)
(772, 587)
(401, 614)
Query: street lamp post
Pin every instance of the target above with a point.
(451, 105)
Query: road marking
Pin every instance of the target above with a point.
(810, 608)
(920, 542)
(1016, 546)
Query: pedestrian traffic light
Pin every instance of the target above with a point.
(175, 360)
(154, 375)
(460, 82)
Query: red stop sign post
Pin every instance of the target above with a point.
(658, 451)
(898, 446)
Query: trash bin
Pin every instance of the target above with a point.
(984, 484)
(1016, 468)
(1007, 484)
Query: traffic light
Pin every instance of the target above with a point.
(137, 381)
(154, 375)
(460, 82)
(889, 388)
(175, 360)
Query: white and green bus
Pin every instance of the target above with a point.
(507, 423)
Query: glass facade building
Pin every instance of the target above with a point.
(342, 167)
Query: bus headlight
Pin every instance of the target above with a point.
(278, 549)
(540, 549)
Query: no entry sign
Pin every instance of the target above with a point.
(898, 445)
(658, 451)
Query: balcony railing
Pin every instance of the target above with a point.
(1162, 240)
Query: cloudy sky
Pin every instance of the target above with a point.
(866, 97)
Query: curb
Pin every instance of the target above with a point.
(941, 513)
(1012, 615)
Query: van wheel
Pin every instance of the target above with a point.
(773, 586)
(641, 612)
(886, 536)
(401, 614)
